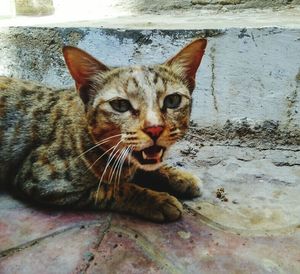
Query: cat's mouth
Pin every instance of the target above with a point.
(150, 155)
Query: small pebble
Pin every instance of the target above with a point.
(184, 234)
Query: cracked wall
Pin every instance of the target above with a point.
(247, 85)
(157, 6)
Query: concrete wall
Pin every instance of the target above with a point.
(248, 85)
(156, 6)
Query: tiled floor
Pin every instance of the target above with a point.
(257, 230)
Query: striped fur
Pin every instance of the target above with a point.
(73, 148)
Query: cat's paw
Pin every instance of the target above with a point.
(190, 185)
(182, 183)
(165, 209)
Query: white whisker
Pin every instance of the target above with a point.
(98, 144)
(121, 164)
(114, 166)
(102, 155)
(111, 157)
(129, 161)
(118, 166)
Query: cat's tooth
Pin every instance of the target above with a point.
(144, 155)
(160, 153)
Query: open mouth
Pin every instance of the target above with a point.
(150, 155)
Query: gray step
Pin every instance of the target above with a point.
(248, 84)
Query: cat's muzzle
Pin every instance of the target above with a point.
(150, 155)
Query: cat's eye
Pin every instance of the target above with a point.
(120, 105)
(172, 101)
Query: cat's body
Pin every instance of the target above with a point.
(100, 148)
(44, 130)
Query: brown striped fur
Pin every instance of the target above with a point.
(79, 149)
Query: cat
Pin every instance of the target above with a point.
(101, 146)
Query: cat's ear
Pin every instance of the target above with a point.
(188, 60)
(82, 66)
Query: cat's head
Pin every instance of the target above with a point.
(138, 109)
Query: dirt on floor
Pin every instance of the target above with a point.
(249, 212)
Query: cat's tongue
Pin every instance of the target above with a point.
(153, 152)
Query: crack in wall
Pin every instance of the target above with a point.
(253, 39)
(280, 164)
(292, 100)
(213, 78)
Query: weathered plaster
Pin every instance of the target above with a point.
(248, 79)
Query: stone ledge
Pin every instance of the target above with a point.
(247, 86)
(159, 18)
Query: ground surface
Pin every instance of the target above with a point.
(248, 221)
(175, 19)
(157, 14)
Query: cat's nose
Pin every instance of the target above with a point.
(154, 131)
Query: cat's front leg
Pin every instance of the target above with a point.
(177, 182)
(124, 197)
(133, 199)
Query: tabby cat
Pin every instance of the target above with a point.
(104, 148)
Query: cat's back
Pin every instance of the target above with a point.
(18, 95)
(21, 105)
(28, 114)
